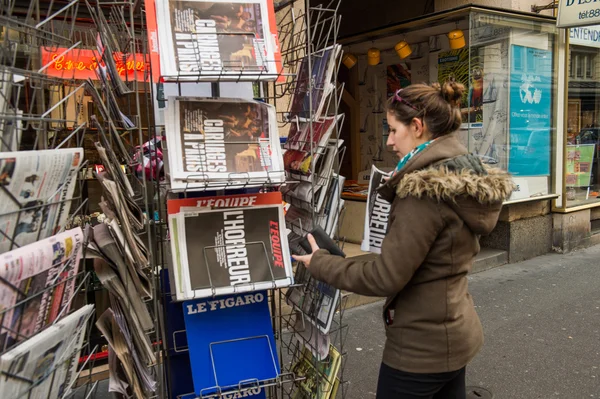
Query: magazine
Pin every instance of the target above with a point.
(225, 39)
(36, 188)
(314, 87)
(212, 140)
(378, 212)
(44, 273)
(317, 300)
(299, 137)
(319, 376)
(45, 366)
(229, 244)
(315, 168)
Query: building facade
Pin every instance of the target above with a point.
(531, 108)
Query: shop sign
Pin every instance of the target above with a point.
(82, 63)
(588, 36)
(573, 13)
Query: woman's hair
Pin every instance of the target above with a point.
(438, 106)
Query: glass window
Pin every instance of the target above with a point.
(583, 124)
(513, 73)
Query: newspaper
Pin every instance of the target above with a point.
(44, 275)
(136, 322)
(310, 337)
(377, 214)
(230, 244)
(220, 140)
(45, 366)
(115, 332)
(36, 192)
(203, 39)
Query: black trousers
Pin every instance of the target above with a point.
(396, 384)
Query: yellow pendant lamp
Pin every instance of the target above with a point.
(403, 49)
(373, 56)
(349, 60)
(456, 38)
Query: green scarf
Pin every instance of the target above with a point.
(411, 154)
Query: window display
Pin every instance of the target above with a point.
(583, 119)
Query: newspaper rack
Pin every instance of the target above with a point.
(304, 33)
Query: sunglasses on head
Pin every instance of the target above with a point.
(399, 99)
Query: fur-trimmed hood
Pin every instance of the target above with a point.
(489, 187)
(445, 172)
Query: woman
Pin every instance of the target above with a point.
(442, 200)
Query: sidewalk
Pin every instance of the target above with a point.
(542, 331)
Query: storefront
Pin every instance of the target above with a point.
(511, 64)
(577, 214)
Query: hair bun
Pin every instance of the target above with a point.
(452, 91)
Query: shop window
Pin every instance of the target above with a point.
(509, 110)
(582, 156)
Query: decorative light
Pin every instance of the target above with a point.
(456, 39)
(403, 49)
(373, 56)
(349, 60)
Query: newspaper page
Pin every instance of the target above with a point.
(225, 38)
(42, 367)
(377, 215)
(44, 272)
(224, 245)
(223, 139)
(35, 199)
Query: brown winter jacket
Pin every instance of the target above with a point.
(442, 200)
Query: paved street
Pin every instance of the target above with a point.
(542, 330)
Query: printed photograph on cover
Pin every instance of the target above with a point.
(223, 138)
(214, 37)
(323, 164)
(317, 300)
(311, 105)
(319, 376)
(44, 273)
(36, 197)
(241, 247)
(309, 336)
(301, 143)
(49, 360)
(377, 215)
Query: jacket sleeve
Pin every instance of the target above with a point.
(414, 228)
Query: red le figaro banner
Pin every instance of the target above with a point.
(82, 63)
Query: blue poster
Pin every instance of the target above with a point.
(231, 343)
(530, 111)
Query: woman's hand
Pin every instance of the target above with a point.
(307, 258)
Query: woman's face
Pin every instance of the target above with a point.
(404, 138)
